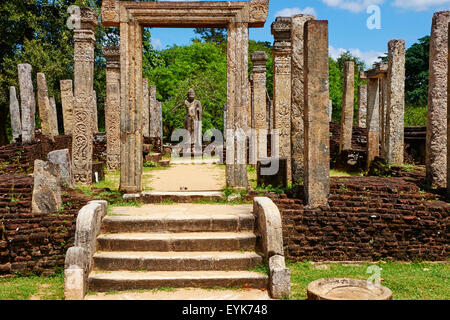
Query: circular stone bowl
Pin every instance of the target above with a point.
(346, 289)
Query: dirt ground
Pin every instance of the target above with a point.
(198, 177)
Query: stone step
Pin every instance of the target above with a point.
(179, 223)
(205, 241)
(181, 197)
(176, 261)
(128, 280)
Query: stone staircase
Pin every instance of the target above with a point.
(195, 246)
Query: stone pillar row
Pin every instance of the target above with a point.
(385, 106)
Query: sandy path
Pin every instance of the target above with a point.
(202, 177)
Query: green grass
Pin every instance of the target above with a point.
(406, 281)
(416, 116)
(37, 287)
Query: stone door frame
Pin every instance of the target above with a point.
(132, 17)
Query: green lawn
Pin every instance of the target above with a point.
(32, 287)
(415, 281)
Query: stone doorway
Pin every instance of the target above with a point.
(132, 17)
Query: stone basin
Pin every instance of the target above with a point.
(346, 289)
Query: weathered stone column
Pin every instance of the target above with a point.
(259, 114)
(373, 119)
(395, 116)
(436, 155)
(384, 87)
(146, 111)
(27, 102)
(67, 105)
(14, 114)
(112, 107)
(448, 119)
(348, 98)
(45, 113)
(131, 106)
(317, 126)
(53, 114)
(155, 130)
(330, 110)
(282, 51)
(82, 141)
(237, 104)
(94, 112)
(298, 96)
(362, 105)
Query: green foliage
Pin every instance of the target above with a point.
(417, 65)
(150, 164)
(416, 116)
(216, 36)
(336, 75)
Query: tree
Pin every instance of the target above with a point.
(336, 70)
(217, 36)
(417, 66)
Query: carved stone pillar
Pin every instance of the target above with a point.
(436, 155)
(66, 87)
(94, 112)
(237, 100)
(131, 106)
(259, 112)
(282, 50)
(82, 141)
(362, 105)
(298, 95)
(373, 119)
(395, 111)
(317, 125)
(112, 107)
(348, 95)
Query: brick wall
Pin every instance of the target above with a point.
(368, 218)
(32, 242)
(19, 159)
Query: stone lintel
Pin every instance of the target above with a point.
(184, 14)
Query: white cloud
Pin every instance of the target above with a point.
(369, 57)
(157, 44)
(354, 5)
(288, 12)
(419, 4)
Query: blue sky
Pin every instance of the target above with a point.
(400, 19)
